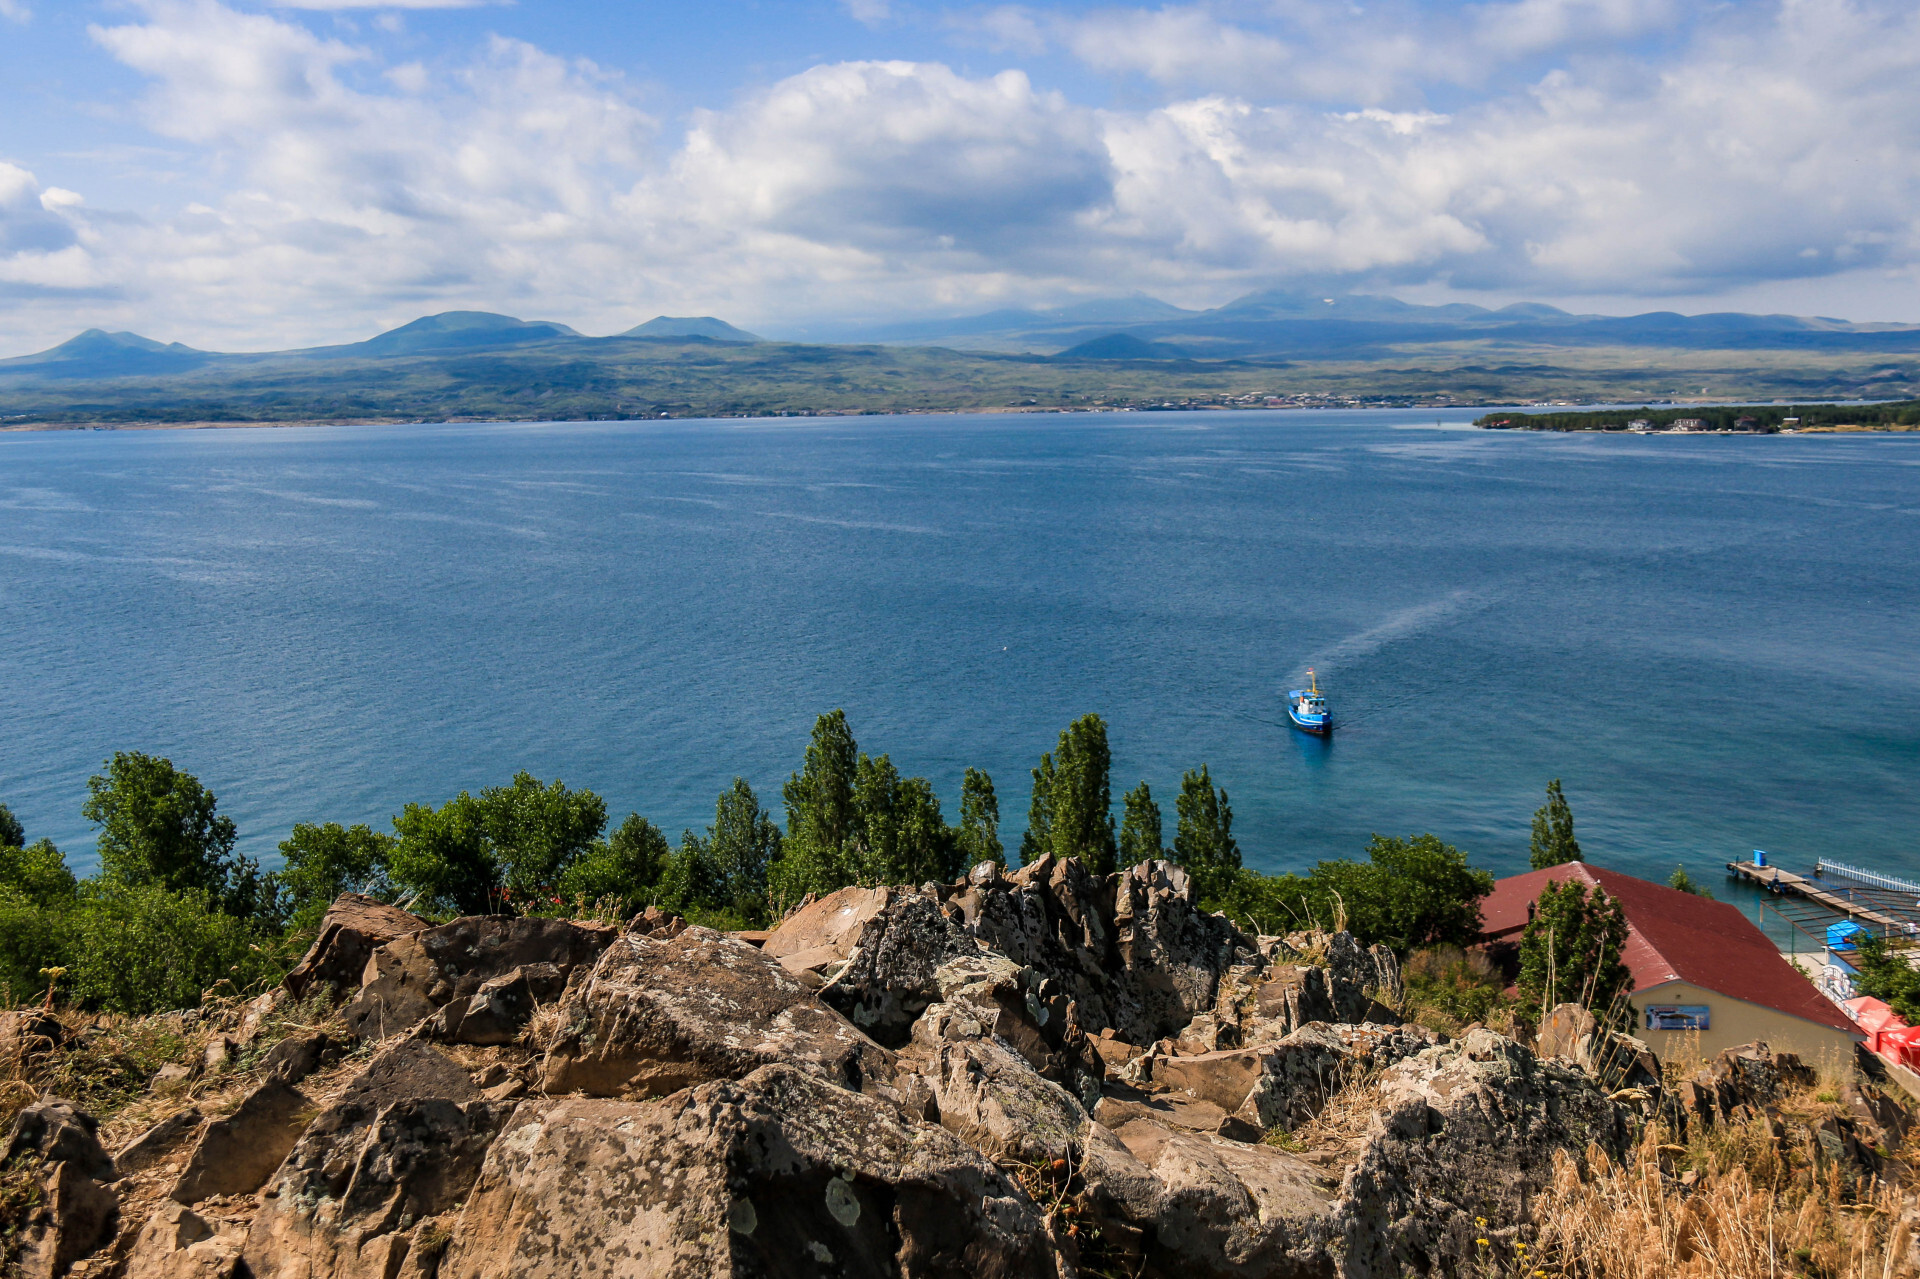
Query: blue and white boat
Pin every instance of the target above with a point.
(1307, 708)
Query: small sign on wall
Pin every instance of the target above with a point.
(1679, 1017)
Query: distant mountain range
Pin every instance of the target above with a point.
(1276, 325)
(1288, 324)
(1273, 349)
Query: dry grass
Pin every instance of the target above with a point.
(1733, 1203)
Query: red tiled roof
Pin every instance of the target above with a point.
(1675, 936)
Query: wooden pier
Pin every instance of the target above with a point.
(1775, 880)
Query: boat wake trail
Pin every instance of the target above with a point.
(1407, 621)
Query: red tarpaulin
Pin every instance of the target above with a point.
(1902, 1046)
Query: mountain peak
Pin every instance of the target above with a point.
(690, 326)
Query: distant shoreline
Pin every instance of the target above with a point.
(1002, 411)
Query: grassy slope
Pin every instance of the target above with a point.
(615, 377)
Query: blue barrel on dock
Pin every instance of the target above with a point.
(1759, 857)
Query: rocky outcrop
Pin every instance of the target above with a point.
(403, 1143)
(352, 929)
(411, 978)
(1042, 1073)
(55, 1131)
(1466, 1130)
(238, 1152)
(659, 1014)
(777, 1173)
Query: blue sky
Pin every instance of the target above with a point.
(242, 174)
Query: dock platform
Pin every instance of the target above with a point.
(1775, 880)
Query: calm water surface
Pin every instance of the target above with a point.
(1712, 641)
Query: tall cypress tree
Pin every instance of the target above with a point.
(1038, 841)
(980, 820)
(1203, 842)
(1140, 827)
(821, 816)
(1082, 809)
(1553, 842)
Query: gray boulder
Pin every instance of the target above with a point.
(779, 1173)
(659, 1014)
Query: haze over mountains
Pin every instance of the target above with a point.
(1266, 326)
(1270, 348)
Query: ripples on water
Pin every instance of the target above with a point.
(1712, 641)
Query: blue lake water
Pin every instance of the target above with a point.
(1711, 640)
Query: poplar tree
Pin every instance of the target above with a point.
(1140, 827)
(980, 820)
(1081, 810)
(1203, 841)
(1038, 840)
(1553, 842)
(821, 816)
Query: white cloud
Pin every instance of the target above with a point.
(384, 4)
(15, 9)
(870, 12)
(1774, 145)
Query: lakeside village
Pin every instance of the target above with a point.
(503, 1042)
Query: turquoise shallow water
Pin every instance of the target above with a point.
(1712, 641)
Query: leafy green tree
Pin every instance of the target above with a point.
(821, 817)
(159, 825)
(1570, 950)
(1685, 883)
(1140, 827)
(1203, 841)
(509, 848)
(902, 837)
(690, 883)
(12, 834)
(1886, 975)
(537, 831)
(1409, 893)
(1553, 842)
(33, 935)
(621, 871)
(443, 859)
(37, 872)
(323, 861)
(1038, 839)
(979, 836)
(741, 845)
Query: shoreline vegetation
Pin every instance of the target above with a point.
(1718, 419)
(175, 915)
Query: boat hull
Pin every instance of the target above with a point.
(1318, 725)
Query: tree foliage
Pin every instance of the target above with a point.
(1570, 950)
(1553, 843)
(1685, 883)
(1203, 838)
(1886, 975)
(509, 847)
(1140, 827)
(1071, 813)
(1409, 893)
(620, 873)
(321, 861)
(979, 834)
(160, 826)
(12, 834)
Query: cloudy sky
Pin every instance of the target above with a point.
(251, 174)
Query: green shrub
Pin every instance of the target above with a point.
(137, 948)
